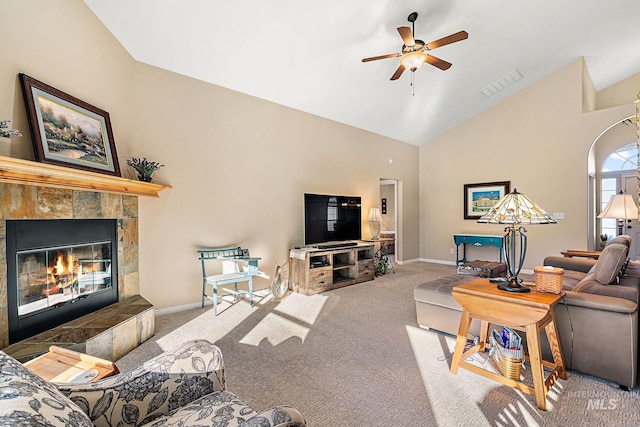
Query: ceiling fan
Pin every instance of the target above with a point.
(414, 51)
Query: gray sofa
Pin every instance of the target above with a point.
(597, 319)
(184, 387)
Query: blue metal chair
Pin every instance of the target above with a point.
(238, 256)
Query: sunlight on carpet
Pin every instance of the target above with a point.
(233, 313)
(292, 317)
(494, 403)
(301, 307)
(276, 328)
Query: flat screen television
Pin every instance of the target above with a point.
(331, 218)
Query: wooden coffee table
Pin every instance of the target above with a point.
(530, 312)
(63, 365)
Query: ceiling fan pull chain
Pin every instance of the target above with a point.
(413, 86)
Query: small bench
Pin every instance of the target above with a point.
(237, 256)
(483, 269)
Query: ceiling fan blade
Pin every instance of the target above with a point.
(407, 36)
(437, 62)
(398, 72)
(456, 37)
(374, 58)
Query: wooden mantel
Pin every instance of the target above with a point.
(19, 171)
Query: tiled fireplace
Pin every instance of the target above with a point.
(32, 202)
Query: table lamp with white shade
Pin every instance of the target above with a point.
(620, 207)
(374, 222)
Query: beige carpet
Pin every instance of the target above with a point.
(355, 357)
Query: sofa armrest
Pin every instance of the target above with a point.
(599, 336)
(600, 302)
(223, 408)
(164, 383)
(282, 416)
(592, 286)
(576, 264)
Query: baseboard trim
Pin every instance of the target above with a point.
(179, 308)
(409, 261)
(257, 293)
(437, 261)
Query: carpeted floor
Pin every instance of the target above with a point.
(355, 357)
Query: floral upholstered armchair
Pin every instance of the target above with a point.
(183, 387)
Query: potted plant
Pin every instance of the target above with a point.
(144, 167)
(5, 132)
(380, 262)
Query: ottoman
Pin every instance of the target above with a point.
(436, 308)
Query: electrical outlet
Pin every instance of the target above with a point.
(451, 251)
(558, 215)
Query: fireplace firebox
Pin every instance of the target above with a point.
(57, 271)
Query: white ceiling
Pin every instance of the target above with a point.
(307, 55)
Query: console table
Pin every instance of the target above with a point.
(313, 270)
(476, 240)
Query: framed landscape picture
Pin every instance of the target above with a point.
(67, 131)
(480, 198)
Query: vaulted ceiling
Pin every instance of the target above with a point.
(307, 55)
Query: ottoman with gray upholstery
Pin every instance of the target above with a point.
(436, 308)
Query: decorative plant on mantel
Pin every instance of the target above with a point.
(144, 167)
(8, 133)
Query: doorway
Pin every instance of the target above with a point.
(389, 210)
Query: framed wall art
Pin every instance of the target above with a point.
(479, 198)
(67, 131)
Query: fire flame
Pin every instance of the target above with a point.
(61, 268)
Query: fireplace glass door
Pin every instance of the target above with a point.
(57, 271)
(56, 276)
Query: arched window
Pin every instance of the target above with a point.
(623, 159)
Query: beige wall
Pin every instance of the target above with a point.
(238, 165)
(538, 139)
(626, 91)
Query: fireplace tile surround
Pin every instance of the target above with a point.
(19, 201)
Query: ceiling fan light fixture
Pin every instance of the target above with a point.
(413, 60)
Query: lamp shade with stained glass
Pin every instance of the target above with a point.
(516, 210)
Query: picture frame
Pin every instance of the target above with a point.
(480, 198)
(67, 131)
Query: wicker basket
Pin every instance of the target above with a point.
(548, 279)
(509, 367)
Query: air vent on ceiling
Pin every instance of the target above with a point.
(502, 83)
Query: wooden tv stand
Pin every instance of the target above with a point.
(313, 270)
